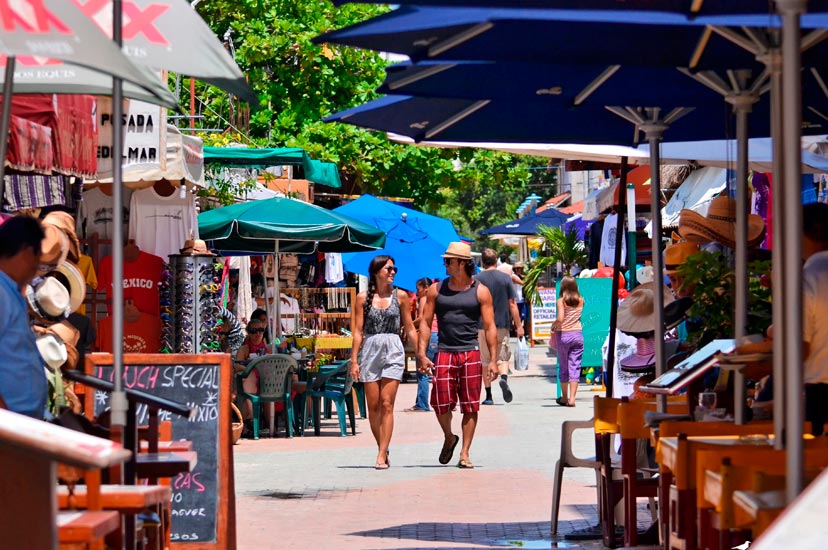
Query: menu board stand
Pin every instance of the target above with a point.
(203, 507)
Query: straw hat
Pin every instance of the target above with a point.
(720, 224)
(586, 273)
(636, 314)
(52, 350)
(675, 255)
(66, 224)
(66, 331)
(458, 250)
(193, 247)
(49, 300)
(53, 248)
(70, 276)
(519, 265)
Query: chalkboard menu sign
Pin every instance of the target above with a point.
(200, 498)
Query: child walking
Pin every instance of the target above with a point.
(570, 339)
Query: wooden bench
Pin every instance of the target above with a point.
(29, 453)
(757, 509)
(84, 529)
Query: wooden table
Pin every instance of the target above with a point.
(154, 465)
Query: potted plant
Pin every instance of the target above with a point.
(561, 245)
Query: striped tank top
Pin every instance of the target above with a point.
(571, 318)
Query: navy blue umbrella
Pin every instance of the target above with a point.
(528, 225)
(577, 36)
(690, 8)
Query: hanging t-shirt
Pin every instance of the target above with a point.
(160, 225)
(88, 271)
(96, 212)
(289, 306)
(140, 281)
(608, 238)
(333, 268)
(142, 336)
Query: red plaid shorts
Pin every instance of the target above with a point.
(457, 374)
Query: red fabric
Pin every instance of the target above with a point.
(30, 146)
(142, 336)
(457, 375)
(255, 265)
(71, 119)
(140, 281)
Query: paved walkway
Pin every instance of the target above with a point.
(314, 492)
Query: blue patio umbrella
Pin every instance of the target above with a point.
(414, 239)
(528, 225)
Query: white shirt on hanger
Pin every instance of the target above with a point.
(608, 238)
(96, 210)
(160, 225)
(333, 268)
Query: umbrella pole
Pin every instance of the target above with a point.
(654, 132)
(5, 121)
(277, 302)
(117, 400)
(791, 11)
(613, 320)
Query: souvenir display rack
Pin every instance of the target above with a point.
(195, 298)
(324, 317)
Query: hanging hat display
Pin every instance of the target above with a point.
(70, 276)
(719, 225)
(49, 299)
(52, 350)
(636, 314)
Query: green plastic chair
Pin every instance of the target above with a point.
(334, 384)
(275, 383)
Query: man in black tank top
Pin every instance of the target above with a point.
(460, 303)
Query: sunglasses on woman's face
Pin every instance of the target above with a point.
(391, 269)
(256, 331)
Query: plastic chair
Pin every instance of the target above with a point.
(569, 460)
(336, 385)
(275, 382)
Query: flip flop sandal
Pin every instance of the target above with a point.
(561, 402)
(447, 452)
(465, 464)
(379, 466)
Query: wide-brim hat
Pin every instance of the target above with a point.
(66, 331)
(52, 350)
(66, 224)
(586, 273)
(636, 314)
(195, 247)
(459, 250)
(48, 300)
(519, 265)
(70, 276)
(676, 254)
(642, 359)
(719, 225)
(54, 248)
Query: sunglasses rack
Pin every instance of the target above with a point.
(195, 299)
(166, 297)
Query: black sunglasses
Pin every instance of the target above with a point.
(391, 269)
(256, 330)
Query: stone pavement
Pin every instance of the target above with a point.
(314, 492)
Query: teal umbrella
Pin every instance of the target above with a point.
(280, 225)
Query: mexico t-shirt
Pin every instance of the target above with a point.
(140, 281)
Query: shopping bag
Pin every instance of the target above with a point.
(522, 355)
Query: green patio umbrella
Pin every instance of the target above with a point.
(280, 225)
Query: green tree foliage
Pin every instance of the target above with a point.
(299, 83)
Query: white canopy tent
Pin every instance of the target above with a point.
(694, 193)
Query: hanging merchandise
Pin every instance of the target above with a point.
(160, 223)
(334, 272)
(142, 331)
(95, 216)
(608, 238)
(142, 272)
